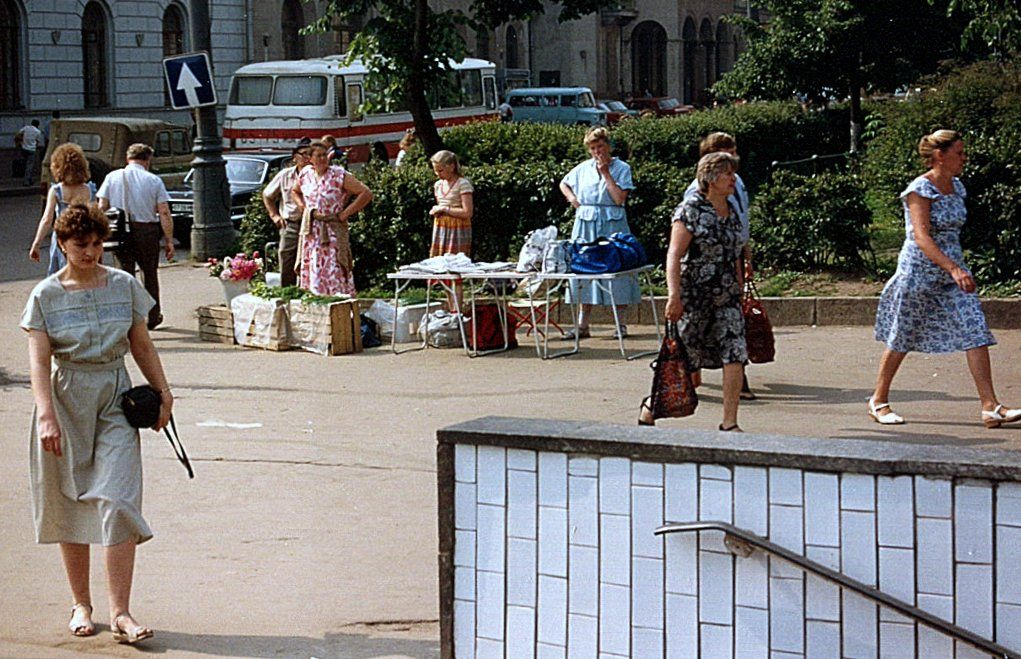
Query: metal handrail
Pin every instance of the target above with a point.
(742, 543)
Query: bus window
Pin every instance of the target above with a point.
(489, 87)
(354, 102)
(471, 88)
(251, 90)
(447, 92)
(300, 90)
(568, 101)
(524, 101)
(548, 101)
(339, 102)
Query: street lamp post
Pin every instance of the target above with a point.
(212, 234)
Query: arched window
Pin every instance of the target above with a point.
(648, 59)
(94, 56)
(690, 38)
(482, 44)
(706, 59)
(10, 62)
(724, 49)
(292, 20)
(511, 53)
(173, 38)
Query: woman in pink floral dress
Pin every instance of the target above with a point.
(324, 264)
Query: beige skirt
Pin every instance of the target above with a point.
(92, 494)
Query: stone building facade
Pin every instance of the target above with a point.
(104, 57)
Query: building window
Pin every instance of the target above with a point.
(94, 56)
(511, 53)
(173, 39)
(292, 20)
(10, 62)
(482, 44)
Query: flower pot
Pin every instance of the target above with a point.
(232, 289)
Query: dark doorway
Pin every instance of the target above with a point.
(648, 59)
(690, 38)
(10, 63)
(173, 38)
(511, 53)
(94, 56)
(291, 21)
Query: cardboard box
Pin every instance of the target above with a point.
(325, 329)
(216, 323)
(260, 323)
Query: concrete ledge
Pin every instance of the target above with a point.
(1001, 313)
(679, 445)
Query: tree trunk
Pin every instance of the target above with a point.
(425, 125)
(856, 118)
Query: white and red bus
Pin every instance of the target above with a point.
(274, 104)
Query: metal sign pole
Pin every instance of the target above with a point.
(212, 234)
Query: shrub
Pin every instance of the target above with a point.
(807, 222)
(257, 229)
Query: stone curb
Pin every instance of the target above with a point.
(1001, 313)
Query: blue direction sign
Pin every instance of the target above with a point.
(190, 80)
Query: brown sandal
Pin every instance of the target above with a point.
(733, 428)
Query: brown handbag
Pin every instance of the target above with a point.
(758, 331)
(673, 393)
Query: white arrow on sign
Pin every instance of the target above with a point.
(188, 83)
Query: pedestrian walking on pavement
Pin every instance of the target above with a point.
(70, 170)
(725, 143)
(931, 304)
(598, 189)
(85, 458)
(29, 139)
(143, 197)
(279, 201)
(704, 275)
(325, 263)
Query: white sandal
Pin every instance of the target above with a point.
(81, 620)
(1000, 416)
(888, 418)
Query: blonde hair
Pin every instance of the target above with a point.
(329, 140)
(711, 166)
(408, 139)
(597, 134)
(939, 140)
(714, 142)
(446, 158)
(139, 151)
(68, 164)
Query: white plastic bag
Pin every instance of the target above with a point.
(530, 258)
(556, 257)
(444, 329)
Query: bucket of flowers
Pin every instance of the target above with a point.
(235, 273)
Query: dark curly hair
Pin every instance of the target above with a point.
(79, 221)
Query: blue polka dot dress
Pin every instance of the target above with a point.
(922, 309)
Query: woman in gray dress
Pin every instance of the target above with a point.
(704, 274)
(86, 463)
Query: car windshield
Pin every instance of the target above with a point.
(240, 171)
(616, 106)
(585, 100)
(668, 103)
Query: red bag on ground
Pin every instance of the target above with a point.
(673, 393)
(758, 332)
(488, 334)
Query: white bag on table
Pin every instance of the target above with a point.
(530, 258)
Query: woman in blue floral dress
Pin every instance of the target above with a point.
(930, 304)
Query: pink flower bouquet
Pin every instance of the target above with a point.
(239, 267)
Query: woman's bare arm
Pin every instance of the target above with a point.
(148, 360)
(918, 209)
(39, 355)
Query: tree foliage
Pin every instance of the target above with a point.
(406, 45)
(996, 24)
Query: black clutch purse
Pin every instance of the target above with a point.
(141, 407)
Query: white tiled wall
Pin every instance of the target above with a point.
(555, 557)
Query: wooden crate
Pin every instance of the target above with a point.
(326, 329)
(216, 323)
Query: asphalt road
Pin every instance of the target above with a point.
(310, 527)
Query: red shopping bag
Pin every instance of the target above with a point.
(488, 333)
(673, 392)
(758, 331)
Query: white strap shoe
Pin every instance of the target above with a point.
(887, 418)
(1000, 416)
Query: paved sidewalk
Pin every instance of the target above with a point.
(314, 533)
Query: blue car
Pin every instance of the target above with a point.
(556, 105)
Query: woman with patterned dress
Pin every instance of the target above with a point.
(930, 304)
(452, 214)
(325, 264)
(85, 458)
(70, 170)
(598, 189)
(704, 272)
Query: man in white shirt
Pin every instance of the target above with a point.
(28, 139)
(143, 197)
(284, 212)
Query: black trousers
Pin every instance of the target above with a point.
(143, 251)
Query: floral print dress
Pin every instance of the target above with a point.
(712, 325)
(320, 271)
(922, 309)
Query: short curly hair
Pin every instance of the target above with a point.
(68, 164)
(712, 165)
(79, 221)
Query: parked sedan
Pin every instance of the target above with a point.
(246, 174)
(661, 106)
(615, 111)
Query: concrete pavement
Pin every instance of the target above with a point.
(312, 531)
